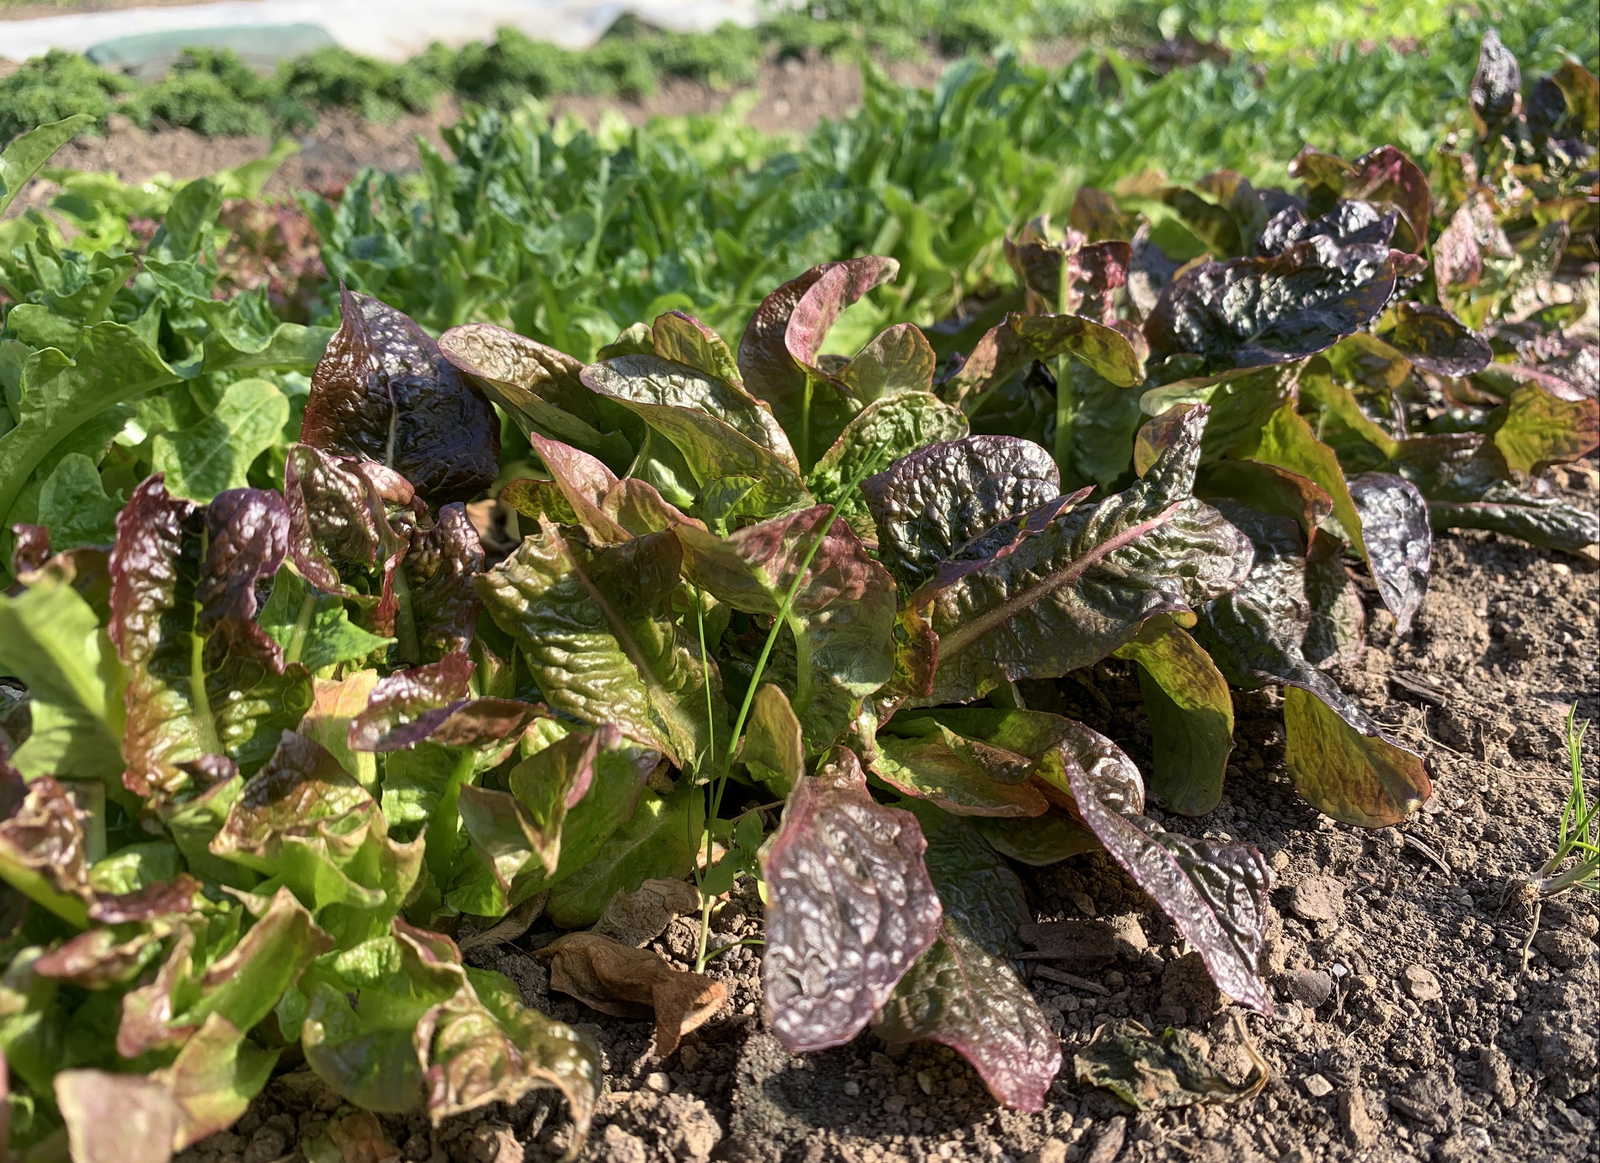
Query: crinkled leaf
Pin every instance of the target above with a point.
(441, 601)
(1436, 341)
(305, 822)
(1336, 634)
(639, 916)
(383, 392)
(50, 638)
(1250, 312)
(1159, 1073)
(1070, 275)
(1268, 489)
(240, 986)
(660, 839)
(1241, 401)
(1216, 894)
(598, 638)
(482, 1045)
(312, 627)
(1191, 716)
(1350, 221)
(1536, 429)
(718, 430)
(684, 339)
(431, 704)
(1394, 521)
(885, 431)
(42, 851)
(612, 510)
(962, 992)
(73, 505)
(850, 908)
(216, 454)
(1075, 586)
(1255, 634)
(619, 980)
(204, 680)
(339, 533)
(930, 504)
(537, 386)
(841, 617)
(1384, 175)
(1018, 340)
(1497, 84)
(778, 351)
(1539, 519)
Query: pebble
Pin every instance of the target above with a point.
(1318, 1086)
(1317, 898)
(852, 1088)
(1310, 987)
(658, 1082)
(1420, 984)
(925, 1081)
(1053, 1151)
(894, 1104)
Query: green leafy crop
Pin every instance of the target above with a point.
(467, 623)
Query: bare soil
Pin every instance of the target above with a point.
(1406, 1028)
(792, 96)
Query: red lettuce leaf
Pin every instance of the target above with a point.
(851, 907)
(383, 392)
(204, 680)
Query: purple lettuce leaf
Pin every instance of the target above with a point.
(925, 761)
(383, 392)
(931, 503)
(1497, 84)
(1434, 340)
(1075, 586)
(964, 992)
(1252, 312)
(1394, 524)
(1349, 223)
(538, 386)
(1352, 772)
(778, 352)
(851, 907)
(1070, 275)
(1116, 354)
(1384, 176)
(204, 680)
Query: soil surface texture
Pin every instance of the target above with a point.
(1406, 1028)
(790, 96)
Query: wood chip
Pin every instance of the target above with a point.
(1071, 979)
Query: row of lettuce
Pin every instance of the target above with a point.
(324, 643)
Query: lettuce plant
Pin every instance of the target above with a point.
(283, 738)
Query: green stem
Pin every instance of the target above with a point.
(445, 823)
(302, 627)
(405, 622)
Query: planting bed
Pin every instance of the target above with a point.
(881, 718)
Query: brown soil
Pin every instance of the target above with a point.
(1406, 1029)
(792, 97)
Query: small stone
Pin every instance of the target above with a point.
(1109, 1145)
(1495, 1072)
(1317, 898)
(1318, 1086)
(1564, 948)
(925, 1081)
(894, 1104)
(852, 1088)
(621, 1147)
(1053, 1151)
(690, 1057)
(1420, 984)
(658, 1082)
(1280, 860)
(1357, 1124)
(1309, 987)
(1128, 935)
